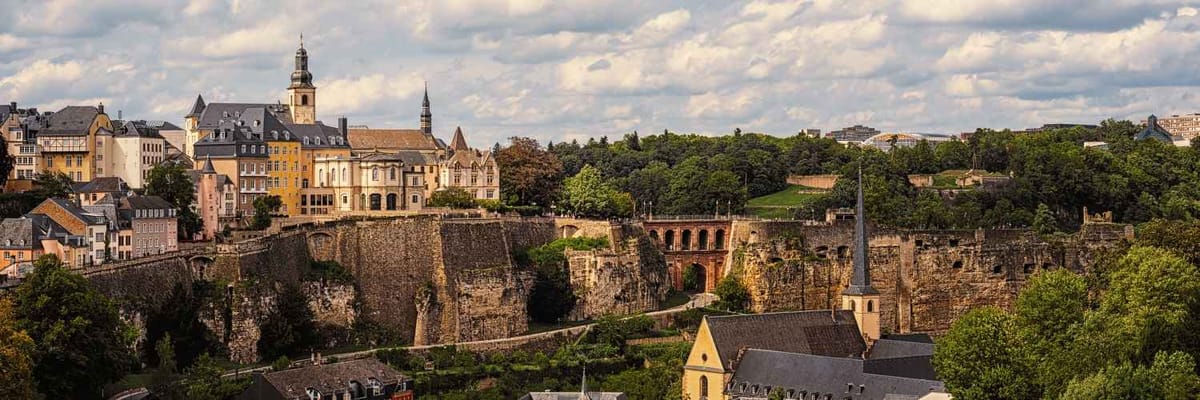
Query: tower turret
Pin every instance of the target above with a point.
(302, 94)
(860, 297)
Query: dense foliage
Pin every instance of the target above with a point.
(80, 341)
(178, 320)
(171, 182)
(696, 175)
(53, 184)
(552, 297)
(1130, 328)
(6, 161)
(732, 295)
(16, 356)
(264, 207)
(290, 328)
(452, 198)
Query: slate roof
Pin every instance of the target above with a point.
(319, 135)
(459, 143)
(145, 203)
(135, 128)
(890, 347)
(331, 378)
(28, 231)
(397, 139)
(70, 121)
(163, 125)
(105, 184)
(826, 333)
(197, 107)
(574, 396)
(464, 155)
(808, 373)
(215, 113)
(407, 157)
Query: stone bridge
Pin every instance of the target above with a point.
(699, 244)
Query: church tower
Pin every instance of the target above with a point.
(426, 116)
(860, 297)
(302, 94)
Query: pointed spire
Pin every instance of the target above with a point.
(302, 39)
(425, 103)
(197, 107)
(860, 278)
(459, 142)
(208, 166)
(426, 115)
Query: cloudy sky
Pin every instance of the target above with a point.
(575, 68)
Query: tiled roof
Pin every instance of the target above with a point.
(163, 126)
(331, 378)
(71, 120)
(574, 396)
(824, 332)
(78, 213)
(135, 128)
(318, 135)
(890, 347)
(408, 157)
(821, 375)
(393, 139)
(28, 231)
(459, 143)
(215, 113)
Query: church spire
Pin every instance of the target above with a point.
(301, 78)
(426, 115)
(860, 278)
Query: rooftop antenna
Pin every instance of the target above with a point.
(302, 39)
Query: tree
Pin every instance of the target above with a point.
(178, 317)
(53, 184)
(1048, 313)
(981, 358)
(16, 356)
(203, 381)
(528, 174)
(1171, 377)
(1043, 220)
(78, 334)
(6, 160)
(732, 295)
(589, 194)
(263, 208)
(453, 198)
(164, 382)
(290, 329)
(171, 182)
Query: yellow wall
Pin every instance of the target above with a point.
(285, 174)
(308, 155)
(703, 361)
(57, 162)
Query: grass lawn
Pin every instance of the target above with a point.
(789, 197)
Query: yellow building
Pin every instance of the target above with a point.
(70, 140)
(283, 170)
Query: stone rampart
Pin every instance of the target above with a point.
(621, 279)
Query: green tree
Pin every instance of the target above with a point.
(453, 198)
(1048, 313)
(179, 318)
(53, 184)
(589, 194)
(528, 173)
(732, 295)
(1172, 376)
(290, 329)
(981, 358)
(6, 160)
(16, 356)
(78, 334)
(164, 382)
(172, 183)
(1043, 220)
(264, 207)
(203, 381)
(282, 363)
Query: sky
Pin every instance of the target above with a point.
(573, 69)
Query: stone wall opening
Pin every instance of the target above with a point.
(695, 278)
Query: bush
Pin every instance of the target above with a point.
(452, 198)
(733, 296)
(328, 271)
(614, 330)
(281, 363)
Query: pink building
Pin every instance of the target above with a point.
(153, 223)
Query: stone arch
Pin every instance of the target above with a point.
(391, 201)
(669, 239)
(567, 231)
(822, 251)
(201, 266)
(870, 306)
(702, 240)
(719, 240)
(320, 246)
(685, 240)
(853, 305)
(700, 278)
(654, 235)
(304, 99)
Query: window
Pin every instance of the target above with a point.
(375, 174)
(870, 306)
(392, 174)
(304, 99)
(703, 386)
(416, 199)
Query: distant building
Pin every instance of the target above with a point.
(821, 354)
(22, 146)
(810, 132)
(26, 238)
(1154, 132)
(130, 152)
(574, 396)
(71, 138)
(1186, 126)
(886, 141)
(215, 200)
(1047, 127)
(853, 134)
(471, 170)
(153, 224)
(366, 379)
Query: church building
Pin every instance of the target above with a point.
(812, 355)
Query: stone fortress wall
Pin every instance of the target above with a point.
(434, 280)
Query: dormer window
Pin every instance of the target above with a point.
(375, 386)
(313, 394)
(306, 140)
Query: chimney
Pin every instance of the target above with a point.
(13, 105)
(342, 128)
(100, 108)
(118, 114)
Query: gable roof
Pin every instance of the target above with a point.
(163, 125)
(70, 121)
(331, 378)
(197, 107)
(810, 374)
(822, 332)
(391, 139)
(1154, 131)
(107, 184)
(459, 143)
(27, 232)
(215, 113)
(318, 135)
(74, 211)
(135, 128)
(145, 203)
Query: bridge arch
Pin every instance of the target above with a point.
(567, 231)
(201, 267)
(685, 240)
(320, 245)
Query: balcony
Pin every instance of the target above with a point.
(63, 145)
